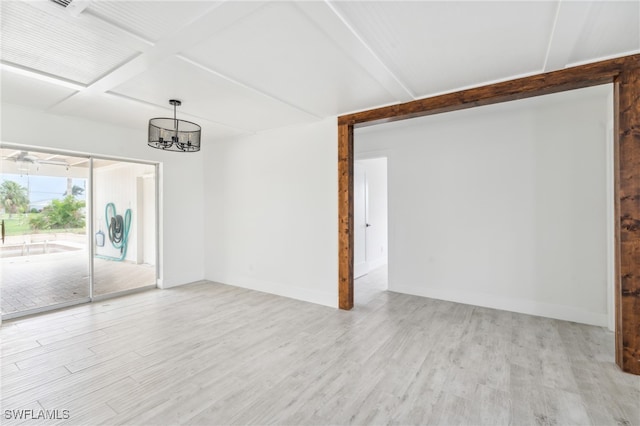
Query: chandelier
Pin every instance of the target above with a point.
(171, 134)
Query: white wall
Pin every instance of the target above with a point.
(500, 206)
(272, 210)
(118, 184)
(376, 239)
(181, 178)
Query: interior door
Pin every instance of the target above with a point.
(360, 265)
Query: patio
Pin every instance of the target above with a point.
(41, 280)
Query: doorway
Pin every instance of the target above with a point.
(622, 72)
(370, 228)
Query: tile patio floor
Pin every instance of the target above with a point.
(28, 282)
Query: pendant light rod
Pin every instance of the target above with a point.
(175, 103)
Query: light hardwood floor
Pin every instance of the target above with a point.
(214, 354)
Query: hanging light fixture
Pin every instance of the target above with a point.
(171, 134)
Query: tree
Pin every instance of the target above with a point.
(74, 190)
(61, 214)
(14, 197)
(77, 190)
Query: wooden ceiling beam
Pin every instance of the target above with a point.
(541, 84)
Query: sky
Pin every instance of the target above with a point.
(43, 189)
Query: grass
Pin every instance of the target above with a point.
(18, 224)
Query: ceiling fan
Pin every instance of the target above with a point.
(25, 157)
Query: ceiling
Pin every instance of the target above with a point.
(17, 161)
(242, 67)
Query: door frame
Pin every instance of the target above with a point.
(624, 74)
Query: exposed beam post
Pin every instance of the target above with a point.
(627, 101)
(345, 216)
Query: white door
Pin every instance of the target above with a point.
(360, 266)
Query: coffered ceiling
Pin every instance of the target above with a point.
(242, 67)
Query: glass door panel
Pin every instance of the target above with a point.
(44, 255)
(124, 210)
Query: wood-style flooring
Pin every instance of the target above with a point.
(214, 354)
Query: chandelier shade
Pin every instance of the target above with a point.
(171, 134)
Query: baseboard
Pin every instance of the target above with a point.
(522, 306)
(164, 285)
(304, 294)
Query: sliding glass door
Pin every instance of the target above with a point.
(75, 228)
